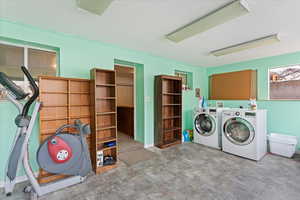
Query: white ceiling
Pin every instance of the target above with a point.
(142, 24)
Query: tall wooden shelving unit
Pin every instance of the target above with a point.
(168, 111)
(63, 101)
(104, 116)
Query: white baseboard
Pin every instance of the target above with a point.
(19, 179)
(148, 145)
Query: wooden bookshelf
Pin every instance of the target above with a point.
(168, 111)
(104, 116)
(64, 100)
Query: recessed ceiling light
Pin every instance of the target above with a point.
(268, 40)
(221, 15)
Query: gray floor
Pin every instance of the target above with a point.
(191, 171)
(127, 143)
(132, 152)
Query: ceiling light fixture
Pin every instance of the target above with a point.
(268, 40)
(224, 14)
(94, 6)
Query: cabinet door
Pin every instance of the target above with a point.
(239, 85)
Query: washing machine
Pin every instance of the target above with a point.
(207, 127)
(244, 133)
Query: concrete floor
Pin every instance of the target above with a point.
(188, 172)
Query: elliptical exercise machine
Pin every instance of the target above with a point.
(61, 153)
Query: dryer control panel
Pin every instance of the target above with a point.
(250, 114)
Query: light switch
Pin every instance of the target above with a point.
(197, 92)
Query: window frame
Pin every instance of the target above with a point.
(268, 78)
(189, 79)
(25, 83)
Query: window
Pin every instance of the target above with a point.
(37, 61)
(284, 82)
(187, 79)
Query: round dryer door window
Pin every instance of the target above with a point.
(205, 124)
(239, 131)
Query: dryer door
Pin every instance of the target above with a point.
(239, 131)
(205, 124)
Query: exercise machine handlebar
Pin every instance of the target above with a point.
(35, 90)
(12, 87)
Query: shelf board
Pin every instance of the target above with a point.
(169, 143)
(79, 105)
(54, 92)
(106, 98)
(106, 85)
(48, 132)
(105, 113)
(125, 84)
(107, 148)
(172, 129)
(102, 169)
(107, 139)
(172, 104)
(169, 93)
(80, 116)
(54, 106)
(172, 117)
(105, 128)
(54, 118)
(79, 92)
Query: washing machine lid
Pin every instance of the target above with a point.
(204, 124)
(239, 131)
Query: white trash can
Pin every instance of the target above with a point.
(283, 145)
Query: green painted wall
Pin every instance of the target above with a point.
(283, 116)
(77, 57)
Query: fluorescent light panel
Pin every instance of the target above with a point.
(226, 13)
(94, 6)
(268, 40)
